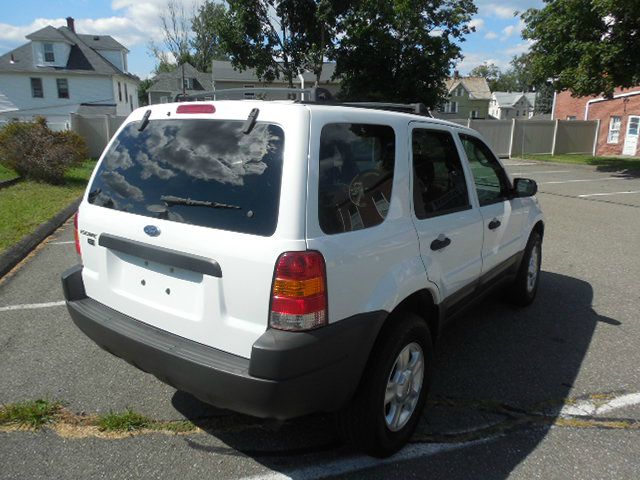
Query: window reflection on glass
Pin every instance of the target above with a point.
(220, 177)
(439, 185)
(490, 179)
(356, 176)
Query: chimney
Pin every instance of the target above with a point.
(13, 59)
(71, 24)
(456, 74)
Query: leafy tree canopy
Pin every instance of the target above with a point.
(398, 50)
(587, 46)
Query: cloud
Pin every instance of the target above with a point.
(134, 22)
(491, 35)
(507, 8)
(477, 23)
(518, 49)
(512, 30)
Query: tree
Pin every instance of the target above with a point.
(587, 46)
(490, 71)
(176, 32)
(143, 91)
(206, 43)
(394, 50)
(278, 38)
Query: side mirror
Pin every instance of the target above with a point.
(525, 187)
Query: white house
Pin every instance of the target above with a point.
(61, 72)
(508, 105)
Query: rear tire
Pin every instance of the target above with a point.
(386, 408)
(525, 286)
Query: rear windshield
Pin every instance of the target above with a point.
(200, 172)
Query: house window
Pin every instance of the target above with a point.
(164, 99)
(474, 113)
(187, 83)
(571, 117)
(63, 87)
(119, 91)
(131, 101)
(614, 129)
(126, 94)
(249, 94)
(517, 113)
(36, 88)
(460, 91)
(48, 52)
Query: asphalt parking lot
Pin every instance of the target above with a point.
(550, 391)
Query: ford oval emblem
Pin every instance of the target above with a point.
(152, 230)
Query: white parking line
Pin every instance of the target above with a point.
(584, 180)
(604, 194)
(62, 243)
(544, 171)
(31, 306)
(593, 407)
(355, 464)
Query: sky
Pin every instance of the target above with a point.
(136, 22)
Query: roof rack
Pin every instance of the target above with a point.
(314, 95)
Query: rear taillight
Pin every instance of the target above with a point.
(76, 235)
(299, 292)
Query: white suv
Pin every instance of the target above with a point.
(283, 258)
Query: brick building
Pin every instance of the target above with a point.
(619, 118)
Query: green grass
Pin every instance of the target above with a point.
(7, 173)
(130, 421)
(27, 204)
(605, 164)
(33, 413)
(127, 421)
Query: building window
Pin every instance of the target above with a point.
(36, 88)
(187, 83)
(614, 129)
(571, 117)
(48, 52)
(126, 93)
(474, 113)
(119, 91)
(63, 87)
(249, 94)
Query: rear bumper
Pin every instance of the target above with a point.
(288, 374)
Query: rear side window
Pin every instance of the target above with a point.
(200, 172)
(439, 185)
(356, 175)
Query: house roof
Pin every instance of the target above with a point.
(172, 81)
(101, 42)
(224, 71)
(509, 99)
(48, 34)
(83, 58)
(477, 87)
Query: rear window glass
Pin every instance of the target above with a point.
(200, 172)
(356, 175)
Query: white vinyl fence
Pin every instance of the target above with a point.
(513, 138)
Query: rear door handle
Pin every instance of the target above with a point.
(493, 224)
(440, 242)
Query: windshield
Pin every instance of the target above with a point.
(210, 163)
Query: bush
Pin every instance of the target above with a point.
(36, 152)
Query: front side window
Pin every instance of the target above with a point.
(614, 129)
(63, 87)
(49, 56)
(491, 181)
(356, 175)
(199, 172)
(439, 185)
(36, 88)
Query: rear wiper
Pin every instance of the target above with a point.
(171, 200)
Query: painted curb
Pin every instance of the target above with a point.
(8, 183)
(15, 254)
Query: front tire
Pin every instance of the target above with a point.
(525, 286)
(385, 410)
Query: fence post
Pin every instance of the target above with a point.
(555, 135)
(469, 122)
(595, 138)
(513, 132)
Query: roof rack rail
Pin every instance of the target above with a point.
(317, 95)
